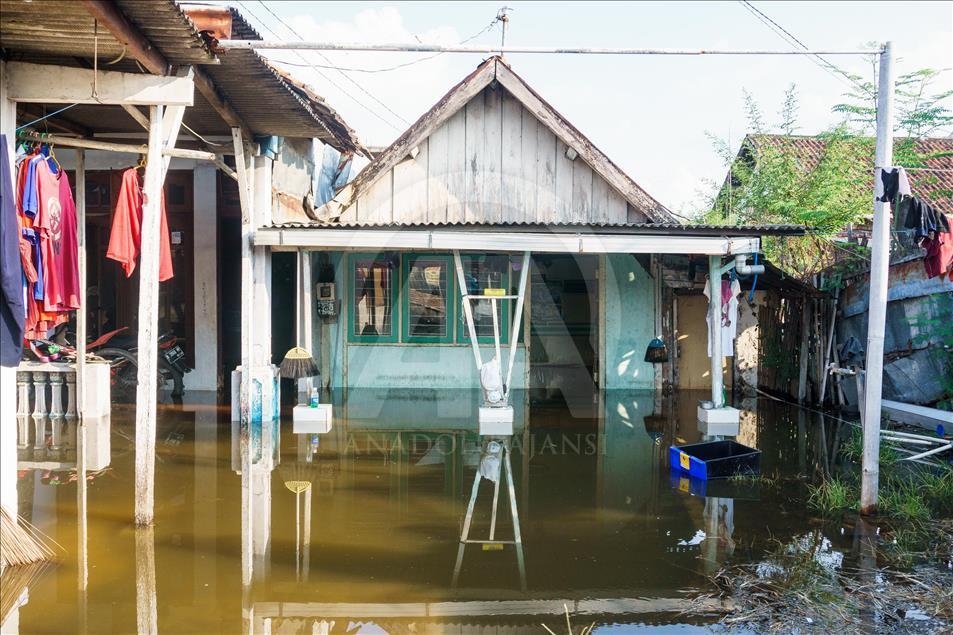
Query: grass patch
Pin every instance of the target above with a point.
(937, 489)
(832, 497)
(853, 450)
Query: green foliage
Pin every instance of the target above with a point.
(769, 180)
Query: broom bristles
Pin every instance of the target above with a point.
(298, 363)
(21, 543)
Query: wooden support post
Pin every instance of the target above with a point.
(148, 324)
(803, 353)
(877, 311)
(80, 399)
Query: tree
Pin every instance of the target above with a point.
(823, 182)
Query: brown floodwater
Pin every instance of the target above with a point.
(370, 542)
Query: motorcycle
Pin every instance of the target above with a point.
(120, 349)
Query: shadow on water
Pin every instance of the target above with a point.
(281, 528)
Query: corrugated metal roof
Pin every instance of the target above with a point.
(58, 31)
(691, 229)
(62, 32)
(285, 110)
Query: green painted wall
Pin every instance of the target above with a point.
(629, 324)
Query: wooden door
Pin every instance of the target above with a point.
(694, 365)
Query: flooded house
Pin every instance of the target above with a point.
(488, 176)
(490, 259)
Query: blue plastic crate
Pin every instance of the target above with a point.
(715, 459)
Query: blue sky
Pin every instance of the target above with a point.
(651, 115)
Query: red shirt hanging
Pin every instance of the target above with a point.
(125, 237)
(56, 222)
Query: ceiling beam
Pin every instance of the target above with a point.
(48, 84)
(128, 35)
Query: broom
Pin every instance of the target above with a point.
(21, 543)
(297, 364)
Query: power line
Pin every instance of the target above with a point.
(342, 73)
(397, 66)
(323, 75)
(790, 38)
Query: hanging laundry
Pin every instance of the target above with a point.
(56, 223)
(939, 257)
(12, 310)
(729, 316)
(924, 219)
(889, 183)
(125, 237)
(47, 243)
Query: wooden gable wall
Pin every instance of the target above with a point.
(491, 162)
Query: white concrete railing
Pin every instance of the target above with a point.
(49, 390)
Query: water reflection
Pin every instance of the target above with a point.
(264, 528)
(494, 466)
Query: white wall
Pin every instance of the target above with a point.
(205, 265)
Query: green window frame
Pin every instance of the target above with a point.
(463, 334)
(379, 261)
(449, 305)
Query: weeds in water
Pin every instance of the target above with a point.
(833, 496)
(755, 479)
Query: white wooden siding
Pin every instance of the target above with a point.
(491, 162)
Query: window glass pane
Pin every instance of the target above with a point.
(373, 295)
(427, 298)
(486, 275)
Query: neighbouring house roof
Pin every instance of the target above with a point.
(934, 184)
(63, 32)
(628, 200)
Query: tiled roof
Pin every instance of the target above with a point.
(931, 180)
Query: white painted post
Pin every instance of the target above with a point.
(877, 311)
(714, 316)
(517, 322)
(247, 304)
(247, 272)
(148, 324)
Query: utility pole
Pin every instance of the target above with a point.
(877, 310)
